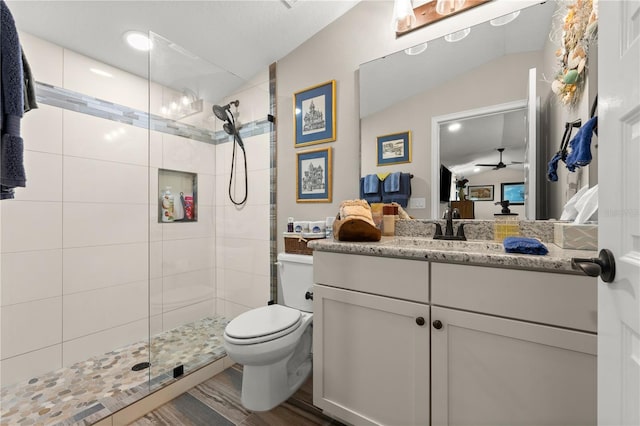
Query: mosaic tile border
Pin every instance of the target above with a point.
(78, 102)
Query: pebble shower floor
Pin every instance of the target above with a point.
(89, 390)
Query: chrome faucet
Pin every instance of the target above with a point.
(448, 230)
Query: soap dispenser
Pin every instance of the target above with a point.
(167, 202)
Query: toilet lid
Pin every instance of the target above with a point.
(263, 321)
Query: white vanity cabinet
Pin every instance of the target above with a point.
(411, 342)
(371, 350)
(512, 347)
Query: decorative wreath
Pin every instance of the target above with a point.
(580, 26)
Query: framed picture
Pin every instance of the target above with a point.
(314, 114)
(480, 192)
(512, 191)
(313, 176)
(394, 148)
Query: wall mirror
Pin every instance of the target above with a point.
(486, 76)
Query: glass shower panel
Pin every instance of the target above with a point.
(184, 326)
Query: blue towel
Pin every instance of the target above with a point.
(11, 105)
(370, 198)
(402, 195)
(524, 245)
(371, 183)
(392, 182)
(552, 170)
(580, 154)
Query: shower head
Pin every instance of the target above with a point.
(229, 128)
(221, 111)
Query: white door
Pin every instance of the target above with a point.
(619, 211)
(531, 145)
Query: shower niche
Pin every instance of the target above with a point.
(178, 196)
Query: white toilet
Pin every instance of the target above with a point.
(273, 342)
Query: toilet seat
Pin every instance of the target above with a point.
(262, 324)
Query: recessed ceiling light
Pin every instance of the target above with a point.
(454, 127)
(458, 35)
(138, 40)
(416, 50)
(504, 20)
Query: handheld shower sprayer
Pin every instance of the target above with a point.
(224, 113)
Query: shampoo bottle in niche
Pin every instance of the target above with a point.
(167, 205)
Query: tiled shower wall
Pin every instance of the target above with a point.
(86, 268)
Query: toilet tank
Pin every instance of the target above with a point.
(295, 274)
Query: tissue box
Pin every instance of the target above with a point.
(574, 236)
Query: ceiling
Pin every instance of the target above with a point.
(241, 37)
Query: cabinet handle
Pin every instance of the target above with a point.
(437, 324)
(420, 321)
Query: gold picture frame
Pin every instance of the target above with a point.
(314, 176)
(314, 114)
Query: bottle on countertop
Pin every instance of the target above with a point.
(167, 202)
(389, 220)
(290, 224)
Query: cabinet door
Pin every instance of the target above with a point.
(371, 358)
(494, 371)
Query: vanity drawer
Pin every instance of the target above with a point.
(557, 299)
(392, 277)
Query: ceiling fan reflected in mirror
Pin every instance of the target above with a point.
(500, 164)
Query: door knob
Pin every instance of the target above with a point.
(420, 321)
(437, 324)
(603, 266)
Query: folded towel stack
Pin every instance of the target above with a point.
(397, 188)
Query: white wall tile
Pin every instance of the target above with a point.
(155, 325)
(45, 58)
(31, 275)
(232, 309)
(244, 255)
(258, 152)
(250, 222)
(259, 190)
(30, 326)
(246, 289)
(187, 288)
(31, 225)
(32, 364)
(98, 310)
(96, 181)
(155, 297)
(95, 344)
(90, 268)
(155, 149)
(121, 88)
(44, 177)
(181, 256)
(204, 227)
(184, 154)
(191, 313)
(93, 137)
(206, 189)
(104, 224)
(42, 129)
(155, 259)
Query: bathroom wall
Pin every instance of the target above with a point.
(86, 267)
(486, 209)
(336, 53)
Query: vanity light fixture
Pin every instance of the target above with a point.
(403, 16)
(504, 20)
(458, 35)
(416, 50)
(138, 40)
(447, 7)
(427, 13)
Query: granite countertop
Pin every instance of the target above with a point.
(477, 252)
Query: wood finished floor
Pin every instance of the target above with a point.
(217, 402)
